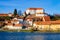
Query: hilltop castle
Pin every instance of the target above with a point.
(32, 18)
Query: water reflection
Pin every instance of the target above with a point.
(36, 37)
(21, 38)
(52, 37)
(29, 36)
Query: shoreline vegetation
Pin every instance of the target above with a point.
(31, 30)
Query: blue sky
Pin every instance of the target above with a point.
(50, 6)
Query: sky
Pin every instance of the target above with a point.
(50, 6)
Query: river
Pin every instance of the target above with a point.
(28, 36)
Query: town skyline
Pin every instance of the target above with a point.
(50, 6)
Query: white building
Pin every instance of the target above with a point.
(36, 11)
(11, 26)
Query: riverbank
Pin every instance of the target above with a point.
(32, 31)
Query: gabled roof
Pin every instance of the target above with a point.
(35, 8)
(3, 14)
(42, 23)
(46, 22)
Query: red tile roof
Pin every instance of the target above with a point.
(9, 24)
(17, 25)
(46, 18)
(3, 14)
(35, 8)
(42, 23)
(47, 22)
(55, 22)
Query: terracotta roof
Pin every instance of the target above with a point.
(9, 24)
(3, 14)
(10, 21)
(47, 22)
(34, 16)
(17, 25)
(46, 18)
(42, 23)
(35, 8)
(55, 22)
(30, 16)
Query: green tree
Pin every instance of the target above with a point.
(7, 18)
(54, 17)
(2, 18)
(15, 12)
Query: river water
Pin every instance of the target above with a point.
(28, 36)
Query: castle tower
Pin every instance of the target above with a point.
(38, 14)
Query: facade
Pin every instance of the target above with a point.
(15, 21)
(34, 10)
(30, 20)
(41, 25)
(13, 24)
(36, 14)
(47, 25)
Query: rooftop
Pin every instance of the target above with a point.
(47, 22)
(35, 8)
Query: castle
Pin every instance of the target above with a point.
(36, 18)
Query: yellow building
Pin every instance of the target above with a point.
(41, 25)
(47, 25)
